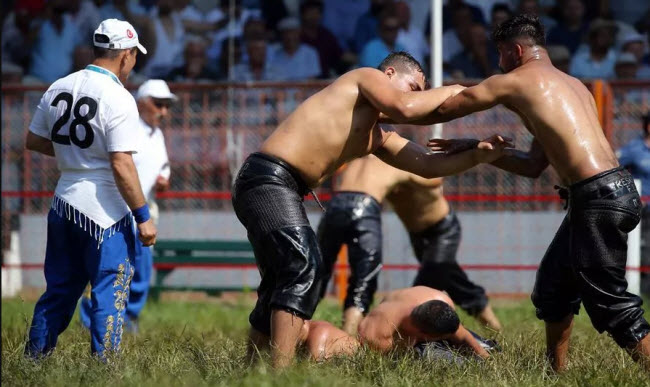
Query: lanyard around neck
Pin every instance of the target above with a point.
(102, 70)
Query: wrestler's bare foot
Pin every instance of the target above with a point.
(352, 317)
(488, 318)
(641, 353)
(286, 331)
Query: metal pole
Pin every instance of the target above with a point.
(436, 54)
(633, 275)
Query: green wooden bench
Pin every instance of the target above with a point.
(180, 254)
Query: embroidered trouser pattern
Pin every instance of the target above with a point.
(74, 257)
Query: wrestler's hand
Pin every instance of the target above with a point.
(492, 148)
(147, 232)
(453, 145)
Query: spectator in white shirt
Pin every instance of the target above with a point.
(293, 60)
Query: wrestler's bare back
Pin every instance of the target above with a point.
(416, 200)
(333, 126)
(561, 113)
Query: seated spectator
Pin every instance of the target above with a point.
(86, 16)
(598, 61)
(198, 22)
(408, 36)
(475, 14)
(120, 9)
(232, 27)
(532, 7)
(292, 60)
(366, 27)
(626, 66)
(19, 32)
(500, 13)
(628, 11)
(256, 68)
(476, 61)
(377, 49)
(195, 68)
(169, 41)
(340, 17)
(55, 43)
(635, 44)
(461, 20)
(572, 28)
(232, 54)
(560, 57)
(319, 37)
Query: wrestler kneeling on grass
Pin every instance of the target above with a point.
(406, 318)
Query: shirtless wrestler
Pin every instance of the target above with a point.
(404, 318)
(353, 217)
(586, 260)
(332, 127)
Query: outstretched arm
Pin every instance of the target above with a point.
(530, 164)
(489, 93)
(409, 156)
(464, 340)
(397, 106)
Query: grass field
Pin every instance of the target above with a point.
(202, 343)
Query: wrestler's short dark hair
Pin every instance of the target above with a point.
(402, 61)
(435, 317)
(520, 26)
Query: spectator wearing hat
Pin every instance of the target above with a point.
(599, 59)
(571, 29)
(377, 49)
(634, 43)
(319, 37)
(292, 60)
(560, 57)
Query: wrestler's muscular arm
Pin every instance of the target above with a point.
(397, 106)
(409, 156)
(463, 339)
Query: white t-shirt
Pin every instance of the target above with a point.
(105, 120)
(152, 160)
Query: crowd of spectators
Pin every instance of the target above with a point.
(282, 40)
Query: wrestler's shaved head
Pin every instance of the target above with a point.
(402, 61)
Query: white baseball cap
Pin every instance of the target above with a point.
(121, 35)
(155, 88)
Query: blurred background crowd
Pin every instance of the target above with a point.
(287, 40)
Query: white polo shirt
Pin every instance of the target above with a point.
(87, 115)
(152, 160)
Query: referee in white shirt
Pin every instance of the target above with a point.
(154, 100)
(89, 122)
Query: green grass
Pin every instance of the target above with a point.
(202, 343)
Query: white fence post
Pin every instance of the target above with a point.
(12, 276)
(633, 275)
